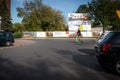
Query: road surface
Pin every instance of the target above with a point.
(52, 59)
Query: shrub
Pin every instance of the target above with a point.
(18, 34)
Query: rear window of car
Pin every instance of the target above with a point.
(107, 37)
(9, 35)
(116, 38)
(1, 34)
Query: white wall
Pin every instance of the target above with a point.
(60, 34)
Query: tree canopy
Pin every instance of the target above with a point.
(83, 9)
(18, 27)
(103, 13)
(40, 17)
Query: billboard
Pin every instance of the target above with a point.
(84, 25)
(78, 16)
(79, 20)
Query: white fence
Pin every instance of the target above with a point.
(60, 34)
(55, 34)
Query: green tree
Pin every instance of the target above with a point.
(18, 27)
(83, 9)
(31, 15)
(37, 16)
(5, 14)
(104, 11)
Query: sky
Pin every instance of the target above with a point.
(66, 6)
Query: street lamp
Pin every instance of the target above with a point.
(0, 22)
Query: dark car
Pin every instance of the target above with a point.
(108, 51)
(6, 38)
(100, 38)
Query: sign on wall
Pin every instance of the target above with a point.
(60, 34)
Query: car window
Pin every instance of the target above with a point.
(7, 35)
(11, 35)
(116, 39)
(107, 37)
(2, 35)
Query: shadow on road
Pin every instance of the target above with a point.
(87, 59)
(38, 70)
(62, 67)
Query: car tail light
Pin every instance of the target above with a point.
(106, 47)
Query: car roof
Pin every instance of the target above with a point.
(115, 32)
(1, 30)
(4, 31)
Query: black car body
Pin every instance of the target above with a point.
(108, 51)
(6, 38)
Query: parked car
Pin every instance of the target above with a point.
(6, 38)
(108, 51)
(100, 38)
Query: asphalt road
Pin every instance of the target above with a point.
(52, 59)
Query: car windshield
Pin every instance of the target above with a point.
(107, 37)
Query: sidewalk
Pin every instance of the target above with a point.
(19, 42)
